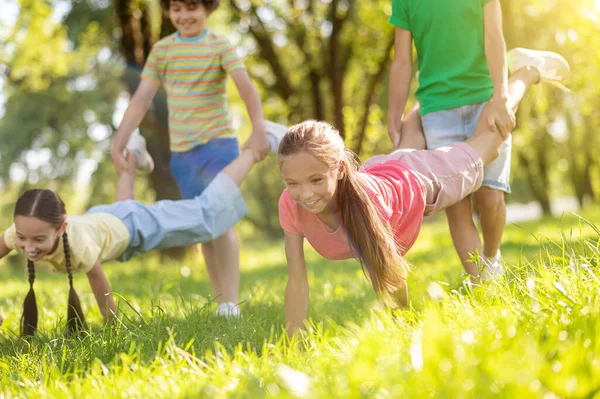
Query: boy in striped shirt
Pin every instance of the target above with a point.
(193, 65)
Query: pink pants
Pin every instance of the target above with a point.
(449, 174)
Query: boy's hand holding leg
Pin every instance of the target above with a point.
(260, 141)
(119, 160)
(137, 108)
(501, 117)
(256, 144)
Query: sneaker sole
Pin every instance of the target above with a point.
(527, 53)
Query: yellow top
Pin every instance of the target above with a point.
(96, 237)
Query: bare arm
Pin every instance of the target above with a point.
(4, 250)
(296, 291)
(137, 108)
(399, 86)
(500, 115)
(251, 98)
(101, 289)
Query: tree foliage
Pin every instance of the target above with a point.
(321, 59)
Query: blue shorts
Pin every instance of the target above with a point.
(443, 128)
(193, 170)
(167, 224)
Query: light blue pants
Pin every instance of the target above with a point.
(443, 128)
(167, 224)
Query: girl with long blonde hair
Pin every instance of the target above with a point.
(373, 212)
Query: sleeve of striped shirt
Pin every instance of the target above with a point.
(154, 64)
(230, 61)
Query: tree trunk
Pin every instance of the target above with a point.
(374, 87)
(536, 182)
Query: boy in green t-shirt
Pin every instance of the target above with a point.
(462, 78)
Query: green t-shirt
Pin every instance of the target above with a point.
(449, 38)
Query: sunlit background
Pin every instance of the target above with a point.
(67, 69)
(66, 75)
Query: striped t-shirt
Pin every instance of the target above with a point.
(194, 74)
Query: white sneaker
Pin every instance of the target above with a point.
(228, 309)
(275, 132)
(553, 68)
(137, 146)
(493, 268)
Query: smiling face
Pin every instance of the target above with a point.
(36, 237)
(311, 183)
(188, 18)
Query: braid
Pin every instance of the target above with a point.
(75, 318)
(29, 318)
(67, 251)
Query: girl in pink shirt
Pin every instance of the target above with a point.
(372, 212)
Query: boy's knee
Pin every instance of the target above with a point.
(489, 200)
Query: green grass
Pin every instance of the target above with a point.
(534, 334)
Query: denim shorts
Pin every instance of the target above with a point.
(443, 128)
(193, 170)
(167, 224)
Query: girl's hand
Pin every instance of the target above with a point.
(101, 289)
(296, 290)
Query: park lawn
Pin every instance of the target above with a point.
(533, 334)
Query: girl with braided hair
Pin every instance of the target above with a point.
(41, 215)
(46, 235)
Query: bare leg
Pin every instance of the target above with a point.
(222, 256)
(492, 217)
(208, 251)
(487, 143)
(126, 181)
(239, 168)
(463, 231)
(493, 214)
(227, 266)
(412, 131)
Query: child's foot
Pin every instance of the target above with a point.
(275, 133)
(137, 146)
(228, 309)
(552, 67)
(493, 268)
